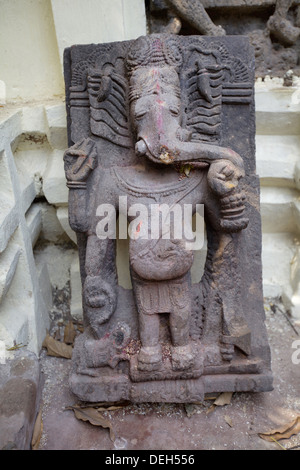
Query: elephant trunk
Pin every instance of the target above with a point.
(175, 150)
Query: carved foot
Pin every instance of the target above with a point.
(150, 358)
(182, 357)
(283, 29)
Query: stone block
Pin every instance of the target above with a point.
(51, 230)
(56, 126)
(277, 158)
(63, 217)
(8, 265)
(10, 126)
(277, 110)
(128, 19)
(45, 284)
(33, 120)
(297, 175)
(28, 191)
(54, 183)
(34, 222)
(277, 209)
(9, 217)
(2, 93)
(76, 290)
(277, 253)
(9, 221)
(296, 207)
(20, 393)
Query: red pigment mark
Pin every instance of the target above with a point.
(159, 123)
(138, 229)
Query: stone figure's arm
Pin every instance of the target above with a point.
(208, 153)
(80, 160)
(226, 166)
(177, 150)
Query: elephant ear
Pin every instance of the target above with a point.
(98, 93)
(109, 107)
(203, 91)
(213, 78)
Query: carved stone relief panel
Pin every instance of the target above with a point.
(158, 128)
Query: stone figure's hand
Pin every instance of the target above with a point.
(223, 176)
(80, 160)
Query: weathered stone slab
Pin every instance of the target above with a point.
(19, 400)
(164, 122)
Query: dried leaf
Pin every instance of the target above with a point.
(15, 347)
(57, 348)
(210, 409)
(109, 408)
(228, 420)
(69, 333)
(37, 431)
(223, 399)
(101, 405)
(93, 416)
(283, 432)
(278, 443)
(57, 335)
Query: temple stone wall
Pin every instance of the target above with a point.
(37, 246)
(278, 159)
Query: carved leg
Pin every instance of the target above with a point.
(182, 357)
(282, 7)
(99, 290)
(194, 13)
(150, 356)
(280, 26)
(174, 23)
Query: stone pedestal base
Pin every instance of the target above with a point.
(120, 388)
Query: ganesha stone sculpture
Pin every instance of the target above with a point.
(165, 122)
